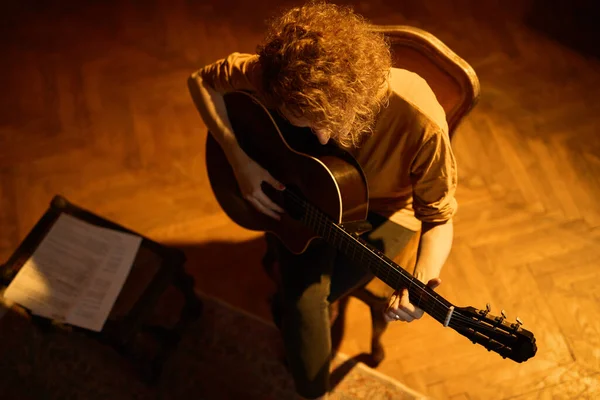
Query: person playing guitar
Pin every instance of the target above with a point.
(323, 68)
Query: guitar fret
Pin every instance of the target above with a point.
(420, 300)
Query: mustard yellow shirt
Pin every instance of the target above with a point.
(408, 160)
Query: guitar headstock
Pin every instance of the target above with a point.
(496, 333)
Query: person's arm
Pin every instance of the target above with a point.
(211, 106)
(434, 184)
(434, 248)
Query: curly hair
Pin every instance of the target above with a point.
(324, 63)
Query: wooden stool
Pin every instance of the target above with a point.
(154, 270)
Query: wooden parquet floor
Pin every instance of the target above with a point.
(94, 106)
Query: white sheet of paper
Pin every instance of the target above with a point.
(76, 273)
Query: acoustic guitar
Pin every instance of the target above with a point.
(326, 191)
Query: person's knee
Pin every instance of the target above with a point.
(312, 301)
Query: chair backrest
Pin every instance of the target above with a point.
(451, 78)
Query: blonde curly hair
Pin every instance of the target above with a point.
(322, 62)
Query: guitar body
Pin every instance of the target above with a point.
(326, 176)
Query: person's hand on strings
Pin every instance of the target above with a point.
(250, 175)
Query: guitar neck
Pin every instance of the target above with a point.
(360, 252)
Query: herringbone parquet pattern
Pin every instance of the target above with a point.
(94, 106)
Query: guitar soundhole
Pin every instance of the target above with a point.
(291, 199)
(294, 203)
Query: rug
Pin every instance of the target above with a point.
(226, 354)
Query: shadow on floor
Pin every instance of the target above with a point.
(234, 272)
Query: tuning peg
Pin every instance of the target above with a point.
(518, 324)
(499, 320)
(487, 310)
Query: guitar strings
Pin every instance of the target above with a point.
(315, 214)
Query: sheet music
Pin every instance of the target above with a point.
(76, 273)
